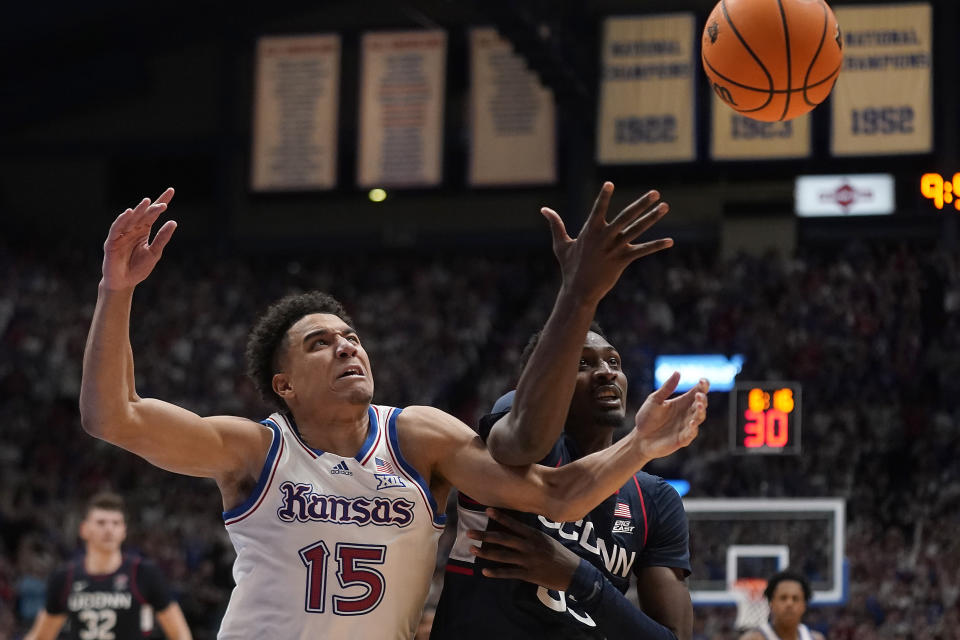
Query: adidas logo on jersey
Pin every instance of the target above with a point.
(341, 469)
(623, 526)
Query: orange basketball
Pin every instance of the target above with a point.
(772, 59)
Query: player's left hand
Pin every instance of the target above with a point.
(528, 554)
(665, 424)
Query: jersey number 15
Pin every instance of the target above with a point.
(356, 563)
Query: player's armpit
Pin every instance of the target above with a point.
(442, 445)
(46, 626)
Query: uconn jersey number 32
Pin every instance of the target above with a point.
(332, 547)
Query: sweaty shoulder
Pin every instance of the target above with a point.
(427, 427)
(752, 635)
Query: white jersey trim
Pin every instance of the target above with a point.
(393, 446)
(267, 472)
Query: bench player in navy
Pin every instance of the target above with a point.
(576, 386)
(331, 502)
(106, 593)
(788, 593)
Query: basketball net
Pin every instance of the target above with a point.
(752, 606)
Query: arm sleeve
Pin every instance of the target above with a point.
(669, 541)
(152, 586)
(56, 588)
(616, 617)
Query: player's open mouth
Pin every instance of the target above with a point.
(351, 371)
(607, 396)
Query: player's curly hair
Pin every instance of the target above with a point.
(268, 337)
(793, 576)
(535, 338)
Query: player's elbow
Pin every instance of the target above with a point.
(513, 447)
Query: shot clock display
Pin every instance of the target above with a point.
(765, 417)
(941, 190)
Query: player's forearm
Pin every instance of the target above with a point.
(572, 490)
(173, 623)
(107, 387)
(539, 410)
(616, 617)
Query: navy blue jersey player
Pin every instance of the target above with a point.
(570, 397)
(640, 531)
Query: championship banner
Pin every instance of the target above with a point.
(646, 111)
(512, 119)
(737, 137)
(401, 108)
(295, 113)
(882, 103)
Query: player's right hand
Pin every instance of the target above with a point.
(593, 263)
(664, 424)
(128, 254)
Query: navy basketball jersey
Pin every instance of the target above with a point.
(113, 605)
(642, 525)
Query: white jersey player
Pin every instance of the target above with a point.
(788, 593)
(358, 535)
(329, 545)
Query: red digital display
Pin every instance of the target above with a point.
(765, 417)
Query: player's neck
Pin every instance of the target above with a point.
(98, 563)
(786, 631)
(341, 431)
(591, 438)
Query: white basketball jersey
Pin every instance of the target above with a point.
(332, 547)
(802, 632)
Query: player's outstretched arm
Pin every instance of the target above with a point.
(590, 265)
(46, 626)
(173, 623)
(166, 435)
(434, 440)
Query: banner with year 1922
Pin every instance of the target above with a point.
(646, 111)
(401, 108)
(882, 104)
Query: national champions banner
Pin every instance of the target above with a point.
(295, 113)
(646, 111)
(401, 108)
(737, 137)
(512, 116)
(883, 100)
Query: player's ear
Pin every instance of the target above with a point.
(281, 385)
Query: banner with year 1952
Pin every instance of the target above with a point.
(882, 103)
(512, 116)
(646, 111)
(295, 113)
(401, 108)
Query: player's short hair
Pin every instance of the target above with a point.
(794, 576)
(106, 500)
(535, 338)
(264, 346)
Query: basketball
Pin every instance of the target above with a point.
(772, 59)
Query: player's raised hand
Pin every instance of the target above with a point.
(525, 553)
(593, 262)
(128, 254)
(665, 424)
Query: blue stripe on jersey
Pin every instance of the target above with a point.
(438, 517)
(371, 434)
(264, 473)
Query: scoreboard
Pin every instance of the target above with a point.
(765, 417)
